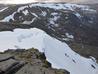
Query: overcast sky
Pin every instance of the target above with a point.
(30, 1)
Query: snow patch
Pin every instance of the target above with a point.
(34, 14)
(1, 10)
(44, 13)
(7, 19)
(54, 13)
(29, 22)
(78, 15)
(54, 19)
(25, 12)
(69, 36)
(22, 8)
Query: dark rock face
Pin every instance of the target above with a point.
(25, 62)
(9, 65)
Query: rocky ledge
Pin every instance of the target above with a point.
(26, 62)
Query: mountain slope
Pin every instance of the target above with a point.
(71, 23)
(63, 23)
(51, 47)
(57, 19)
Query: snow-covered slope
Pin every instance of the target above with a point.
(27, 9)
(56, 52)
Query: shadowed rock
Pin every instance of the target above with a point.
(8, 65)
(4, 57)
(26, 62)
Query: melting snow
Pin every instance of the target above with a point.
(63, 6)
(25, 12)
(22, 8)
(34, 14)
(7, 19)
(54, 19)
(54, 6)
(54, 13)
(29, 22)
(1, 10)
(69, 36)
(58, 53)
(44, 13)
(78, 15)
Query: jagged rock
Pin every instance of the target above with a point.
(8, 64)
(5, 65)
(15, 68)
(36, 69)
(4, 57)
(26, 62)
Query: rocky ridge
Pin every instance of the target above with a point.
(26, 62)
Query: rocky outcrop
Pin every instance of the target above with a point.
(8, 65)
(26, 62)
